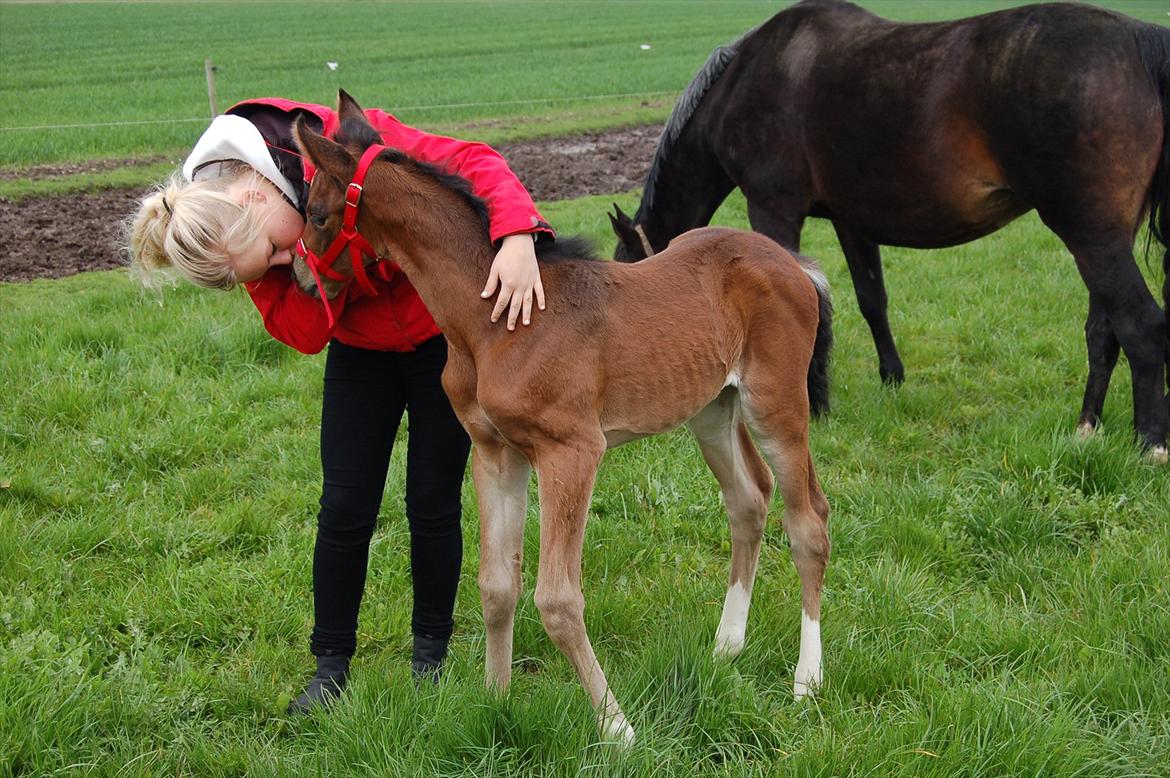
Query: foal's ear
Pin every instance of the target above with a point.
(354, 129)
(326, 156)
(347, 107)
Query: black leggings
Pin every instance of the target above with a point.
(365, 395)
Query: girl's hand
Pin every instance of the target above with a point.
(516, 271)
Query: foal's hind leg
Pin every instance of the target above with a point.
(780, 420)
(1103, 349)
(747, 488)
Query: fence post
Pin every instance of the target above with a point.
(209, 69)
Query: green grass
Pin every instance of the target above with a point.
(997, 603)
(136, 70)
(998, 600)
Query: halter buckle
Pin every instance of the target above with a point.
(354, 191)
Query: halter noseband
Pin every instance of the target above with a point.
(349, 236)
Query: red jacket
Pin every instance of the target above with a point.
(395, 319)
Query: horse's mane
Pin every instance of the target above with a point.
(683, 110)
(360, 134)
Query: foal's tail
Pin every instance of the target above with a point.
(818, 368)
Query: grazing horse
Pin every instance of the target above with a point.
(716, 334)
(932, 135)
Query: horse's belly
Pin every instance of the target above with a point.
(900, 194)
(937, 221)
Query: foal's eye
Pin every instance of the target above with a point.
(318, 218)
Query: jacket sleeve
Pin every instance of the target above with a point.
(291, 316)
(510, 207)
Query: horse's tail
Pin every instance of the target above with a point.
(818, 368)
(1154, 45)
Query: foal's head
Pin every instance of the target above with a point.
(409, 193)
(325, 207)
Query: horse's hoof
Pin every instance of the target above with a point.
(1086, 430)
(1157, 455)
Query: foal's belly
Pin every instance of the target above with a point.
(649, 404)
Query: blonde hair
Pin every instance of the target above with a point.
(195, 228)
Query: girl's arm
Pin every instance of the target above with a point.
(292, 316)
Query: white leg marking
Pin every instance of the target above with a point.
(808, 667)
(1085, 430)
(617, 730)
(732, 627)
(1158, 455)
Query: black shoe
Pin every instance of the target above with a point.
(326, 686)
(426, 661)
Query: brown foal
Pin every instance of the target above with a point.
(715, 332)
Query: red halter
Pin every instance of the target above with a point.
(359, 247)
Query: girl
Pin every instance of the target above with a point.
(233, 216)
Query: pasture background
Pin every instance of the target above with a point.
(477, 69)
(997, 603)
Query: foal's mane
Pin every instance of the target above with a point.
(360, 134)
(683, 110)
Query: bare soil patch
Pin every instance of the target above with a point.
(59, 235)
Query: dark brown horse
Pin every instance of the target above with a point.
(931, 135)
(717, 333)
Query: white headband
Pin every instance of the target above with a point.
(234, 138)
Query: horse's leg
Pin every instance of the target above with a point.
(1103, 350)
(779, 219)
(746, 484)
(865, 268)
(1113, 278)
(565, 474)
(501, 485)
(779, 417)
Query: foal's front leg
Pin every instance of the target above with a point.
(501, 484)
(565, 474)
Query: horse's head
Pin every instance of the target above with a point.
(632, 243)
(327, 225)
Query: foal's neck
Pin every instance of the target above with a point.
(445, 252)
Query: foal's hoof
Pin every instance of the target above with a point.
(1086, 430)
(728, 647)
(617, 731)
(808, 680)
(1157, 455)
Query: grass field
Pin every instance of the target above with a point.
(489, 70)
(998, 602)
